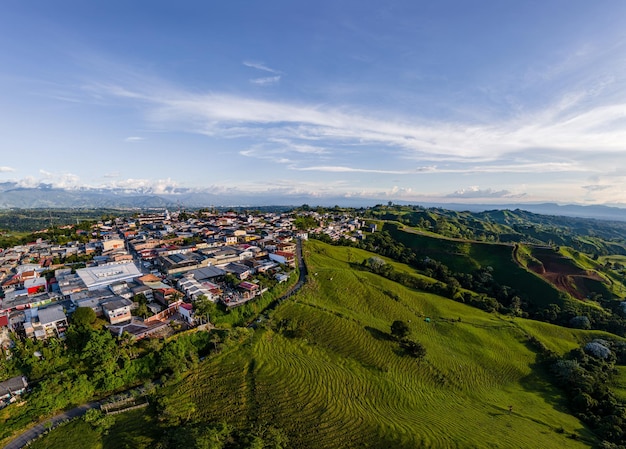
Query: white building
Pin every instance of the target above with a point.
(104, 275)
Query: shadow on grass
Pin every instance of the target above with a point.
(539, 382)
(378, 334)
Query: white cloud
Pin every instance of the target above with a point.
(260, 66)
(267, 81)
(134, 139)
(476, 192)
(495, 168)
(343, 169)
(154, 186)
(55, 180)
(577, 132)
(219, 114)
(6, 169)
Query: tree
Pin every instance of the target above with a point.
(413, 348)
(399, 329)
(204, 308)
(84, 317)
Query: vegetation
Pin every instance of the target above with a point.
(412, 337)
(329, 358)
(510, 226)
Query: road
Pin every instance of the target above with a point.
(38, 430)
(293, 290)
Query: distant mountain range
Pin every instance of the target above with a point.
(12, 196)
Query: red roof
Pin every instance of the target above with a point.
(187, 306)
(4, 320)
(248, 285)
(285, 254)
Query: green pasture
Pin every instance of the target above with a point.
(619, 383)
(466, 256)
(617, 258)
(135, 429)
(337, 379)
(326, 372)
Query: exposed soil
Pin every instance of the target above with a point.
(563, 274)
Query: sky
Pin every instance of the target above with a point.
(493, 101)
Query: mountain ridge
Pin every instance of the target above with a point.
(14, 196)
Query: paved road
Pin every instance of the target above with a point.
(34, 432)
(301, 281)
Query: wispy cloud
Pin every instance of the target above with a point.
(578, 131)
(261, 66)
(537, 167)
(267, 81)
(596, 187)
(4, 169)
(343, 169)
(134, 139)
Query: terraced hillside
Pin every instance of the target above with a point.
(327, 372)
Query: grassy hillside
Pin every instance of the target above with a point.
(336, 379)
(326, 372)
(583, 234)
(467, 256)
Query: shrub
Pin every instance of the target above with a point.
(597, 349)
(580, 322)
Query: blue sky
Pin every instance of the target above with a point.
(450, 101)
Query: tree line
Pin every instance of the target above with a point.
(479, 288)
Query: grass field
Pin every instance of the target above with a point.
(338, 380)
(135, 429)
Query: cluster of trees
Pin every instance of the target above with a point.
(583, 234)
(450, 290)
(400, 332)
(54, 234)
(304, 222)
(492, 296)
(586, 375)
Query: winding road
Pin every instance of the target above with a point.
(293, 290)
(39, 429)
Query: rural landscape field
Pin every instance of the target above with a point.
(328, 367)
(313, 225)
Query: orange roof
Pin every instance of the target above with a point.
(149, 278)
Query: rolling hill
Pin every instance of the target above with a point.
(325, 371)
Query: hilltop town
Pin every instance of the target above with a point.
(144, 272)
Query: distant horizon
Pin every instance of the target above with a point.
(411, 101)
(56, 198)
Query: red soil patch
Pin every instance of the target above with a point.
(563, 274)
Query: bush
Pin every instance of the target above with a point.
(580, 322)
(399, 329)
(598, 350)
(413, 348)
